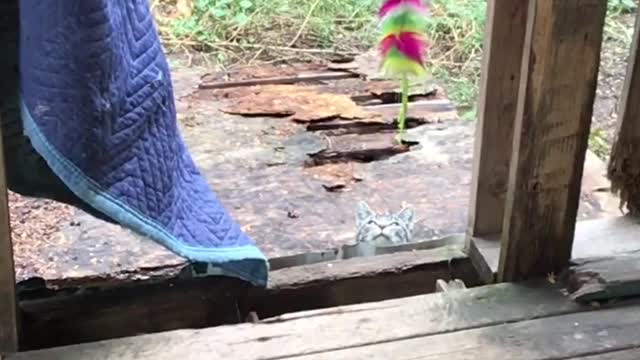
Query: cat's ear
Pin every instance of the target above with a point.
(363, 213)
(407, 215)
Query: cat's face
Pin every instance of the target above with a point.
(383, 229)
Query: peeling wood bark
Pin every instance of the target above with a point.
(624, 163)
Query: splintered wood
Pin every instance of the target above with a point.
(551, 134)
(605, 278)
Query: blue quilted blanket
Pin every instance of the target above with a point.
(97, 103)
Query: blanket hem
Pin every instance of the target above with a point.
(232, 261)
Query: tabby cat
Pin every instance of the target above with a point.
(383, 229)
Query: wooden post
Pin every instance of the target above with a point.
(8, 309)
(500, 78)
(624, 163)
(555, 105)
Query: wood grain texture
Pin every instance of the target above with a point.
(630, 354)
(541, 339)
(502, 59)
(98, 314)
(593, 238)
(551, 134)
(624, 163)
(319, 76)
(504, 321)
(8, 309)
(359, 325)
(605, 278)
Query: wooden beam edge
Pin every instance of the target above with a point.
(605, 237)
(93, 315)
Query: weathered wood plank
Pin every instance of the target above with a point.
(360, 249)
(624, 163)
(551, 134)
(8, 309)
(320, 76)
(93, 315)
(605, 278)
(631, 354)
(502, 59)
(319, 331)
(557, 337)
(593, 238)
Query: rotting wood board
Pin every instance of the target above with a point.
(608, 237)
(551, 135)
(604, 278)
(557, 337)
(361, 249)
(136, 308)
(531, 321)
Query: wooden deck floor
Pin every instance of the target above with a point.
(504, 321)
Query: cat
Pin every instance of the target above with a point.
(384, 229)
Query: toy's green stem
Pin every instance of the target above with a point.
(405, 104)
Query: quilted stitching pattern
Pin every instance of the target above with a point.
(97, 85)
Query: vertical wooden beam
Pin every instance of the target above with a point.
(500, 78)
(624, 163)
(8, 309)
(557, 89)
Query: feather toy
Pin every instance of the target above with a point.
(403, 45)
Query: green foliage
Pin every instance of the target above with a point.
(343, 23)
(455, 31)
(598, 143)
(621, 6)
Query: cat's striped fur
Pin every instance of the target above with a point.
(384, 229)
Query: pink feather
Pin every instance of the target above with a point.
(390, 5)
(410, 45)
